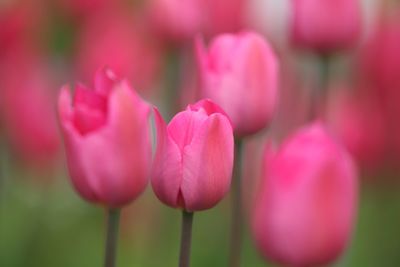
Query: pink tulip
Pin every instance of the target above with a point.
(306, 207)
(240, 73)
(107, 140)
(116, 39)
(326, 25)
(193, 164)
(176, 20)
(224, 16)
(26, 105)
(379, 66)
(350, 115)
(379, 57)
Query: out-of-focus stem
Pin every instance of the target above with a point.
(112, 237)
(320, 91)
(237, 209)
(173, 70)
(186, 238)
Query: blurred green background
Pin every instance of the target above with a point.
(49, 225)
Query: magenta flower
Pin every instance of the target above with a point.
(326, 25)
(107, 140)
(240, 73)
(193, 164)
(306, 206)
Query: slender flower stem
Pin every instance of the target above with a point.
(320, 91)
(172, 77)
(112, 236)
(186, 238)
(237, 210)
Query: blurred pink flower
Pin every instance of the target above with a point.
(26, 104)
(176, 20)
(379, 61)
(326, 25)
(116, 40)
(379, 68)
(224, 16)
(180, 21)
(107, 140)
(240, 73)
(20, 23)
(306, 206)
(193, 164)
(359, 121)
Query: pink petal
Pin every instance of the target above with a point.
(258, 68)
(184, 125)
(118, 156)
(72, 145)
(105, 80)
(207, 164)
(167, 166)
(65, 104)
(208, 106)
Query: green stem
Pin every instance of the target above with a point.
(319, 94)
(186, 238)
(112, 236)
(237, 210)
(173, 70)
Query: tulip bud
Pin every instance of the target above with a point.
(107, 140)
(240, 73)
(193, 164)
(326, 25)
(306, 206)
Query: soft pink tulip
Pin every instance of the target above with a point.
(358, 120)
(379, 61)
(306, 206)
(26, 106)
(379, 66)
(176, 20)
(325, 25)
(224, 16)
(117, 40)
(240, 73)
(107, 140)
(193, 164)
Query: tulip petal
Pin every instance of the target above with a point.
(117, 156)
(167, 166)
(104, 81)
(207, 164)
(259, 66)
(184, 125)
(73, 143)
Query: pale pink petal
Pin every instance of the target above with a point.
(104, 81)
(184, 125)
(207, 164)
(65, 104)
(167, 166)
(258, 66)
(208, 106)
(73, 141)
(118, 155)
